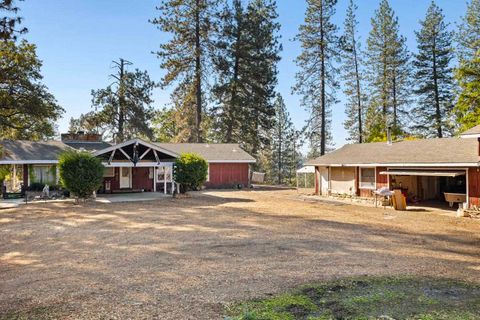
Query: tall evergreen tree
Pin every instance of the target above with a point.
(389, 70)
(283, 143)
(352, 68)
(10, 24)
(468, 34)
(124, 107)
(433, 75)
(467, 108)
(27, 109)
(186, 56)
(315, 82)
(231, 61)
(247, 53)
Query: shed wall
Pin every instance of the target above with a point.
(224, 175)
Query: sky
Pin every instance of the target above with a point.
(78, 40)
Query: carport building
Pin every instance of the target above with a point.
(441, 169)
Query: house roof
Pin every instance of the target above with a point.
(88, 145)
(440, 151)
(212, 152)
(29, 151)
(473, 131)
(22, 151)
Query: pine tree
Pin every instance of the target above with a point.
(468, 34)
(283, 143)
(433, 75)
(9, 25)
(316, 81)
(353, 76)
(186, 56)
(124, 107)
(27, 109)
(246, 57)
(230, 60)
(467, 108)
(389, 71)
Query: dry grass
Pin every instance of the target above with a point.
(187, 258)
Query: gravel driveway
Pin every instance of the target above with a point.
(187, 258)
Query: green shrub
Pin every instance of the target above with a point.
(190, 171)
(80, 173)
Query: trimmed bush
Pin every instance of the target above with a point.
(80, 173)
(190, 171)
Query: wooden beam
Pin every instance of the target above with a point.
(145, 153)
(111, 156)
(156, 156)
(125, 154)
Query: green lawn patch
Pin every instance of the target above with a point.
(368, 298)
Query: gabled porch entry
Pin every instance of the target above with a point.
(136, 166)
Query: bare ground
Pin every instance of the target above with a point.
(188, 258)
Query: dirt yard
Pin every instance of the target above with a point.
(188, 258)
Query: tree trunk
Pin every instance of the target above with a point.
(198, 75)
(322, 85)
(233, 97)
(394, 103)
(438, 114)
(359, 96)
(121, 102)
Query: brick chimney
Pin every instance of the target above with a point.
(81, 136)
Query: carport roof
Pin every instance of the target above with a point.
(425, 152)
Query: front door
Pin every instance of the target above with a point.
(125, 177)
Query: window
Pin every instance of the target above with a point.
(367, 178)
(109, 172)
(164, 173)
(44, 174)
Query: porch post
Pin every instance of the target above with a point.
(171, 179)
(14, 178)
(154, 179)
(164, 180)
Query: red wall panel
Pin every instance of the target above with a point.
(141, 180)
(474, 186)
(227, 175)
(382, 179)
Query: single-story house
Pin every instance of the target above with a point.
(133, 165)
(427, 170)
